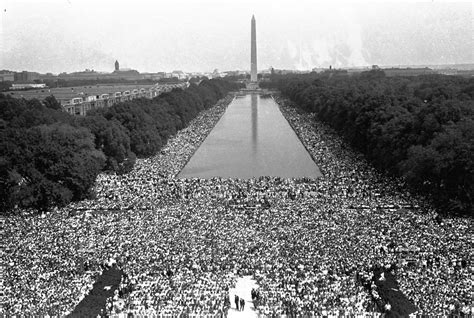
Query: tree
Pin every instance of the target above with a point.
(419, 128)
(52, 103)
(112, 139)
(48, 157)
(49, 165)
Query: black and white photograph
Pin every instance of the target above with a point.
(236, 158)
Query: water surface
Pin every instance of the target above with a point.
(251, 139)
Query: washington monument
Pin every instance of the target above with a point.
(253, 53)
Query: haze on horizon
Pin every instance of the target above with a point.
(71, 35)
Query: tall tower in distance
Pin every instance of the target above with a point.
(117, 67)
(253, 52)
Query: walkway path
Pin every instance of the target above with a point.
(103, 288)
(243, 288)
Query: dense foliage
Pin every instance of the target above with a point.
(419, 128)
(48, 157)
(46, 165)
(150, 122)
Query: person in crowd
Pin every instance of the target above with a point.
(242, 304)
(310, 244)
(236, 300)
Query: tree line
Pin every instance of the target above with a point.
(50, 158)
(418, 128)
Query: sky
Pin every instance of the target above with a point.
(200, 36)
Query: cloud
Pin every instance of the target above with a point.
(201, 36)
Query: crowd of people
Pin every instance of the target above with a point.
(182, 243)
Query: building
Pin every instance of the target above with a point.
(6, 76)
(27, 86)
(117, 66)
(179, 75)
(81, 103)
(253, 51)
(87, 74)
(153, 76)
(25, 77)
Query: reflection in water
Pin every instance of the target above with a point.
(254, 109)
(251, 139)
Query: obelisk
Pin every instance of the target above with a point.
(253, 53)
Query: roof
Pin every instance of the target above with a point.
(71, 92)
